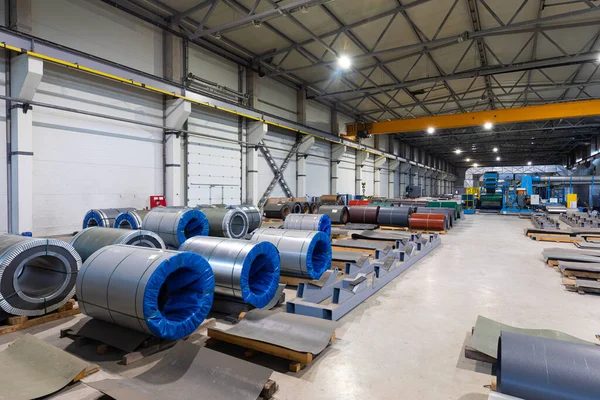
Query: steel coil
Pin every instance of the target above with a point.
(295, 207)
(448, 212)
(337, 214)
(394, 216)
(532, 367)
(428, 222)
(160, 292)
(313, 208)
(103, 217)
(176, 224)
(305, 208)
(130, 219)
(276, 211)
(330, 199)
(90, 240)
(363, 214)
(242, 269)
(254, 216)
(302, 253)
(309, 222)
(228, 223)
(36, 275)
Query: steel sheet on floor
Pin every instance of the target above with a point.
(538, 368)
(294, 332)
(191, 372)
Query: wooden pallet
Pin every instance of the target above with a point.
(556, 239)
(18, 323)
(298, 359)
(428, 232)
(552, 263)
(370, 252)
(149, 347)
(570, 273)
(571, 285)
(394, 228)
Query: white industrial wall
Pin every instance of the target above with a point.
(318, 169)
(211, 67)
(3, 150)
(383, 183)
(82, 162)
(368, 175)
(347, 172)
(99, 29)
(318, 116)
(214, 166)
(273, 92)
(279, 144)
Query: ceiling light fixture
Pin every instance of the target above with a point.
(468, 160)
(431, 130)
(528, 162)
(598, 57)
(475, 165)
(344, 62)
(497, 158)
(495, 149)
(458, 151)
(218, 36)
(488, 126)
(304, 9)
(256, 24)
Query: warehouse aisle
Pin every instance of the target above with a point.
(406, 342)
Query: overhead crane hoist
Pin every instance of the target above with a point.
(573, 109)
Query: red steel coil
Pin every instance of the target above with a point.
(359, 202)
(364, 214)
(429, 222)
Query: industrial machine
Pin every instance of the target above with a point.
(490, 200)
(518, 196)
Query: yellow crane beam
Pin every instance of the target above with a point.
(573, 109)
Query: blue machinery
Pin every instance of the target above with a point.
(360, 282)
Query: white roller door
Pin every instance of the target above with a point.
(214, 167)
(318, 168)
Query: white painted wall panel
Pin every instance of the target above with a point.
(368, 175)
(210, 66)
(383, 184)
(214, 167)
(3, 160)
(318, 169)
(318, 116)
(275, 93)
(279, 144)
(82, 162)
(101, 30)
(347, 172)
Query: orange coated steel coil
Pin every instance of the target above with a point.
(429, 222)
(359, 202)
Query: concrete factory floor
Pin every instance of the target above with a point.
(407, 341)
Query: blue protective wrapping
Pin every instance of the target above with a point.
(318, 255)
(178, 296)
(92, 214)
(192, 223)
(325, 225)
(125, 216)
(259, 279)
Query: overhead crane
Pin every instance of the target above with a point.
(572, 109)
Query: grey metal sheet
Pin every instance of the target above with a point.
(587, 252)
(537, 368)
(487, 331)
(191, 372)
(588, 245)
(567, 256)
(31, 368)
(588, 283)
(348, 256)
(114, 335)
(294, 332)
(382, 235)
(575, 266)
(352, 226)
(276, 297)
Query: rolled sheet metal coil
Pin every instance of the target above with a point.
(176, 224)
(535, 368)
(302, 253)
(242, 269)
(313, 208)
(295, 207)
(229, 223)
(130, 219)
(449, 212)
(394, 216)
(309, 222)
(337, 214)
(36, 275)
(90, 240)
(254, 216)
(332, 199)
(428, 222)
(160, 292)
(363, 214)
(305, 208)
(103, 217)
(277, 211)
